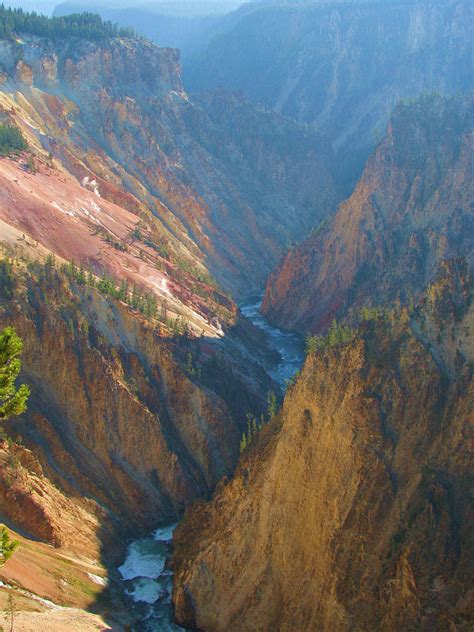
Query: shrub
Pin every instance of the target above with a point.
(337, 335)
(11, 140)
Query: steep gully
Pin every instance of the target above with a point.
(147, 580)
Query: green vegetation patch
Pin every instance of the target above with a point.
(87, 26)
(11, 139)
(337, 335)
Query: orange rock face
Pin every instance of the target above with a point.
(411, 208)
(121, 416)
(115, 114)
(351, 511)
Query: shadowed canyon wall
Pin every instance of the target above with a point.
(339, 66)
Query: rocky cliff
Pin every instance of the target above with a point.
(411, 208)
(207, 201)
(339, 66)
(139, 395)
(351, 511)
(126, 419)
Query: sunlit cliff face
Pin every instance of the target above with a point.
(410, 210)
(182, 452)
(351, 505)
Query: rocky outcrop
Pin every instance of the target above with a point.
(351, 511)
(339, 66)
(116, 113)
(122, 415)
(33, 503)
(411, 208)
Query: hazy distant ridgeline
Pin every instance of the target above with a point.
(184, 25)
(340, 67)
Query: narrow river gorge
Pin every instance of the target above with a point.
(147, 581)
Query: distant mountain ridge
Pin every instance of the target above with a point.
(341, 67)
(183, 25)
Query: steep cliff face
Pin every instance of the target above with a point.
(100, 108)
(351, 512)
(411, 208)
(341, 67)
(134, 420)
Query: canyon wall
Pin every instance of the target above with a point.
(411, 208)
(351, 509)
(206, 195)
(125, 418)
(341, 67)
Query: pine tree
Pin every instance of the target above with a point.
(123, 291)
(90, 278)
(272, 404)
(50, 261)
(7, 279)
(81, 275)
(7, 546)
(12, 400)
(11, 610)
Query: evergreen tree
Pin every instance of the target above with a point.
(7, 279)
(11, 139)
(7, 546)
(85, 25)
(12, 400)
(272, 404)
(11, 610)
(123, 291)
(50, 261)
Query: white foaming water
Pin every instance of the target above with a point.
(287, 344)
(164, 534)
(145, 558)
(147, 590)
(148, 583)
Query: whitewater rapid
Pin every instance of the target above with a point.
(148, 583)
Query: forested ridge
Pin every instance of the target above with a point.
(85, 25)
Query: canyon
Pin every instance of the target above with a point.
(165, 246)
(208, 198)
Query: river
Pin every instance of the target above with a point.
(288, 345)
(147, 581)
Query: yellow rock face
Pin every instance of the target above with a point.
(350, 512)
